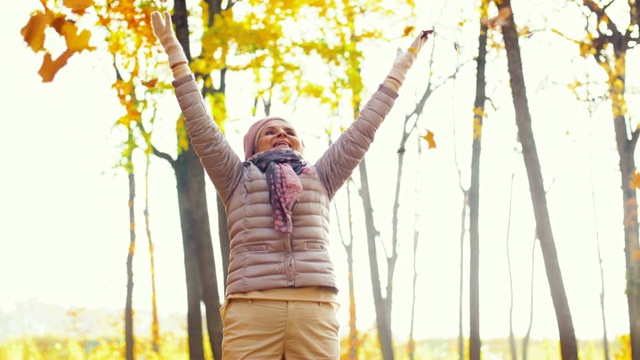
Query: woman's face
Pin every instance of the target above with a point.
(277, 134)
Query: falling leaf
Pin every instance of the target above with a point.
(33, 32)
(78, 6)
(408, 30)
(636, 255)
(151, 83)
(50, 67)
(428, 137)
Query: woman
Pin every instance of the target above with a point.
(281, 288)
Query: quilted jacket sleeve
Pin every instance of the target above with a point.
(221, 163)
(336, 165)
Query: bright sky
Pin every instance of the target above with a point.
(64, 220)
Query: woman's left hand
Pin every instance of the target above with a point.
(404, 60)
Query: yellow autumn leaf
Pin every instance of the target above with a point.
(429, 138)
(33, 32)
(408, 30)
(477, 128)
(587, 49)
(78, 6)
(150, 83)
(635, 179)
(76, 41)
(50, 67)
(618, 84)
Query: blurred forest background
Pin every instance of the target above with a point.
(494, 217)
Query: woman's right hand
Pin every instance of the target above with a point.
(163, 30)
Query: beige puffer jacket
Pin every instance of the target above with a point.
(262, 258)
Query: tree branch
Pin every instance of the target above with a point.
(164, 156)
(634, 138)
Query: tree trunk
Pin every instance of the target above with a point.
(568, 345)
(204, 250)
(416, 238)
(626, 150)
(474, 196)
(626, 146)
(192, 272)
(348, 247)
(605, 337)
(512, 339)
(525, 340)
(382, 305)
(155, 324)
(196, 217)
(620, 38)
(463, 231)
(128, 311)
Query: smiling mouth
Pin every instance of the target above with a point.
(281, 143)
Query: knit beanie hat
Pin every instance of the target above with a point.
(251, 137)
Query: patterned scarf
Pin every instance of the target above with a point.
(281, 168)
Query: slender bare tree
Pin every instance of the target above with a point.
(416, 238)
(527, 335)
(568, 344)
(609, 42)
(128, 310)
(155, 324)
(512, 338)
(474, 191)
(348, 248)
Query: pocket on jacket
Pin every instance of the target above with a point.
(256, 247)
(316, 245)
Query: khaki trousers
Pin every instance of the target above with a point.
(275, 330)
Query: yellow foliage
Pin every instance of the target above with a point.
(50, 66)
(219, 108)
(33, 34)
(271, 39)
(408, 30)
(635, 179)
(477, 127)
(618, 84)
(587, 49)
(33, 31)
(78, 6)
(624, 353)
(313, 90)
(77, 42)
(183, 136)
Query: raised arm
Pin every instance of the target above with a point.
(336, 165)
(221, 163)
